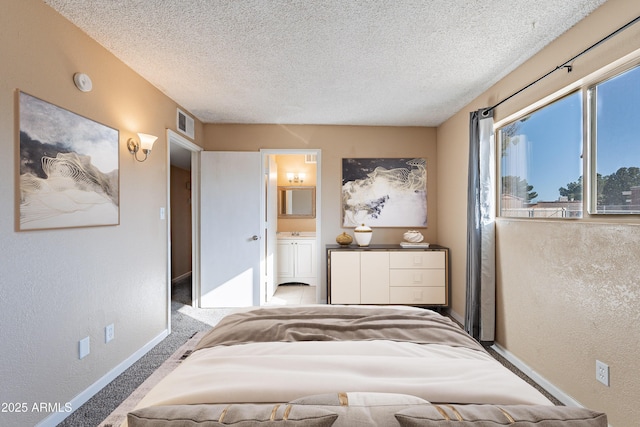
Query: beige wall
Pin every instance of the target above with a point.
(59, 286)
(336, 143)
(180, 222)
(568, 291)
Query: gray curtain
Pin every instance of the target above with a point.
(480, 308)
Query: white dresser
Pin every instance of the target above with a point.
(297, 260)
(388, 274)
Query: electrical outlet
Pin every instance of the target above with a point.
(84, 347)
(602, 372)
(109, 333)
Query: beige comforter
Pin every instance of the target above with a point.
(338, 323)
(280, 354)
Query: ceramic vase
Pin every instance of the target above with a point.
(363, 235)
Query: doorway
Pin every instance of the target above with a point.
(181, 147)
(294, 169)
(183, 184)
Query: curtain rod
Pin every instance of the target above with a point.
(566, 64)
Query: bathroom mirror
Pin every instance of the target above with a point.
(296, 202)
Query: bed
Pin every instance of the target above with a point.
(327, 365)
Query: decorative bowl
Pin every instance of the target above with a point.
(413, 236)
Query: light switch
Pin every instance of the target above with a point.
(162, 214)
(84, 347)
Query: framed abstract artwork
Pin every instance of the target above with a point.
(385, 192)
(69, 168)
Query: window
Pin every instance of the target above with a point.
(541, 162)
(541, 154)
(615, 144)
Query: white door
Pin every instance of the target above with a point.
(305, 258)
(230, 239)
(286, 260)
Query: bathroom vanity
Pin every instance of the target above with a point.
(297, 258)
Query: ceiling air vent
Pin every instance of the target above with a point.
(185, 124)
(311, 158)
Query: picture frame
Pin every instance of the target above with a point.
(384, 192)
(68, 168)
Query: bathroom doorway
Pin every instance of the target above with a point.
(292, 239)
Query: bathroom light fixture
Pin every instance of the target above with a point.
(296, 177)
(146, 143)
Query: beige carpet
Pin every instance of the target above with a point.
(120, 413)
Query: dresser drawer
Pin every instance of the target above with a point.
(417, 295)
(416, 277)
(417, 259)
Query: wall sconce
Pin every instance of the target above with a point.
(296, 177)
(146, 143)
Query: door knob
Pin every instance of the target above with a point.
(254, 237)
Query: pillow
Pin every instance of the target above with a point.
(237, 415)
(495, 415)
(362, 408)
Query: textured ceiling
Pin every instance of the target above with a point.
(377, 62)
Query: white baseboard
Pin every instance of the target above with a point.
(539, 379)
(57, 417)
(180, 277)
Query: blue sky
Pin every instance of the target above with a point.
(619, 122)
(553, 136)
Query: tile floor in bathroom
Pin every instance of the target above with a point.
(293, 295)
